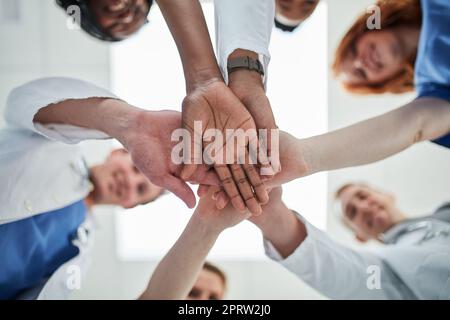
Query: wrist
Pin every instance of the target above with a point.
(204, 229)
(271, 217)
(238, 53)
(201, 77)
(128, 122)
(305, 164)
(245, 76)
(287, 234)
(248, 79)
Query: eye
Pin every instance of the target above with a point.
(362, 196)
(351, 212)
(213, 297)
(142, 188)
(194, 293)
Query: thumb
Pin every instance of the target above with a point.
(180, 189)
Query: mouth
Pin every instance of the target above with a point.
(119, 6)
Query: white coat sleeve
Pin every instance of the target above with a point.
(243, 24)
(339, 272)
(24, 102)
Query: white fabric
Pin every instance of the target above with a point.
(40, 168)
(69, 277)
(407, 270)
(286, 21)
(243, 24)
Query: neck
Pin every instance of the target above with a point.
(408, 36)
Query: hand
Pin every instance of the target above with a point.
(248, 86)
(217, 220)
(148, 139)
(270, 210)
(294, 159)
(216, 107)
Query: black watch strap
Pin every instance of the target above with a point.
(245, 63)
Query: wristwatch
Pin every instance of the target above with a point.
(245, 63)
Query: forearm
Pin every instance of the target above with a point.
(243, 24)
(377, 138)
(283, 229)
(176, 274)
(188, 27)
(111, 116)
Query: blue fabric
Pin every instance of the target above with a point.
(34, 248)
(432, 70)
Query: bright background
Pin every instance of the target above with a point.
(160, 223)
(35, 43)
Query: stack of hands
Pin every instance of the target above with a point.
(240, 105)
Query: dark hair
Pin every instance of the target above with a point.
(88, 22)
(284, 27)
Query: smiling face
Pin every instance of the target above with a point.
(367, 211)
(118, 182)
(120, 18)
(296, 10)
(376, 57)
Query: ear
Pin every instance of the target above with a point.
(361, 238)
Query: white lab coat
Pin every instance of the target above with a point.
(410, 268)
(243, 24)
(41, 168)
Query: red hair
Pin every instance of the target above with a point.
(394, 13)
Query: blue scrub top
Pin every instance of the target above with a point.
(33, 249)
(432, 70)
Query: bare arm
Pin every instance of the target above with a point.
(145, 134)
(380, 137)
(210, 102)
(177, 272)
(111, 116)
(188, 27)
(364, 142)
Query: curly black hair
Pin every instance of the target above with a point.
(88, 21)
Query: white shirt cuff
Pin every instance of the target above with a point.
(25, 102)
(303, 251)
